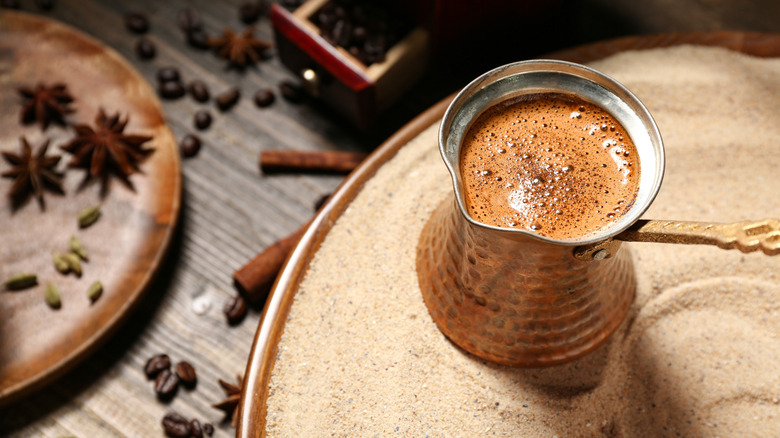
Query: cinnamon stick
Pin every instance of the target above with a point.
(312, 161)
(254, 280)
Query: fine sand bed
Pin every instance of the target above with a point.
(698, 354)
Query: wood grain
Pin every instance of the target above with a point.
(252, 420)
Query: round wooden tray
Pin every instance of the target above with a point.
(252, 418)
(127, 243)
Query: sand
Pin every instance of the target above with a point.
(698, 354)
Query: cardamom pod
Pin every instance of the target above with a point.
(94, 291)
(88, 216)
(74, 262)
(77, 248)
(52, 296)
(60, 264)
(21, 281)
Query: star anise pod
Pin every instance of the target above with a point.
(239, 49)
(45, 104)
(32, 172)
(106, 148)
(232, 398)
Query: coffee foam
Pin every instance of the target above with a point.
(549, 163)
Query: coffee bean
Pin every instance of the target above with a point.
(208, 429)
(168, 74)
(145, 48)
(166, 384)
(291, 91)
(186, 373)
(264, 97)
(198, 38)
(171, 90)
(249, 13)
(235, 309)
(156, 364)
(228, 99)
(176, 426)
(196, 430)
(190, 146)
(202, 119)
(46, 5)
(136, 23)
(189, 20)
(199, 91)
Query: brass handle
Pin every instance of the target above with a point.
(746, 236)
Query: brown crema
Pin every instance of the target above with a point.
(549, 163)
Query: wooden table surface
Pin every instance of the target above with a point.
(230, 211)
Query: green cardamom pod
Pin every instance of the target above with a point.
(21, 281)
(60, 264)
(88, 216)
(94, 291)
(52, 296)
(74, 262)
(77, 248)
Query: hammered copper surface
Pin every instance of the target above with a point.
(513, 299)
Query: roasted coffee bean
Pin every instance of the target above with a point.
(291, 91)
(168, 74)
(208, 429)
(228, 99)
(196, 430)
(171, 90)
(46, 5)
(198, 38)
(249, 13)
(189, 20)
(202, 119)
(136, 23)
(199, 91)
(186, 373)
(176, 426)
(235, 309)
(166, 384)
(145, 48)
(264, 97)
(190, 145)
(156, 364)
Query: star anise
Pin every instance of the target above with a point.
(45, 104)
(239, 49)
(107, 148)
(32, 172)
(232, 398)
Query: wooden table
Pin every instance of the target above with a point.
(230, 211)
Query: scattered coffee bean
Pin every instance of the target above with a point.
(136, 23)
(199, 91)
(186, 373)
(264, 97)
(249, 13)
(291, 91)
(202, 119)
(235, 309)
(196, 430)
(228, 99)
(166, 384)
(168, 74)
(171, 90)
(208, 429)
(145, 48)
(176, 426)
(198, 38)
(46, 5)
(9, 4)
(190, 146)
(156, 364)
(189, 20)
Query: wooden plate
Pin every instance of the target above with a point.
(261, 360)
(38, 344)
